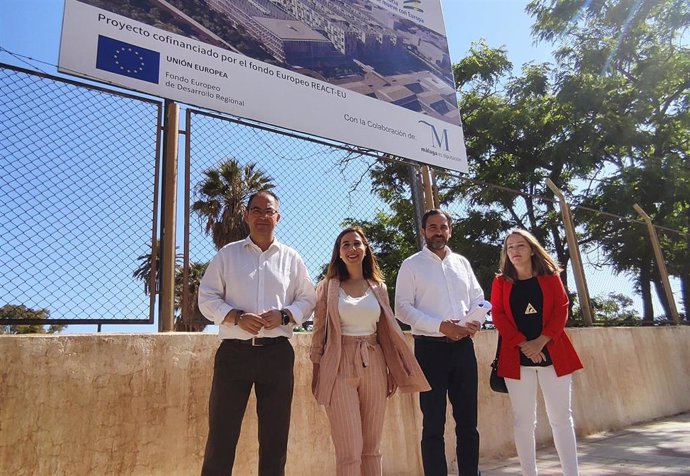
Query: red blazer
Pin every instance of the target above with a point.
(561, 350)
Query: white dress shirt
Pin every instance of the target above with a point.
(241, 276)
(430, 290)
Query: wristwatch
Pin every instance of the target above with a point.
(239, 313)
(286, 317)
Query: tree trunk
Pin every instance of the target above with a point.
(646, 291)
(191, 319)
(661, 294)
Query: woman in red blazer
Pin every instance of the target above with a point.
(530, 309)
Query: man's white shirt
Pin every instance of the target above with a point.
(241, 276)
(430, 290)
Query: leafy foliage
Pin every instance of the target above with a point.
(628, 63)
(20, 311)
(223, 194)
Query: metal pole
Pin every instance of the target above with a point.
(660, 263)
(417, 200)
(187, 306)
(434, 190)
(168, 228)
(575, 258)
(428, 195)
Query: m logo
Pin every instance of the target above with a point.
(437, 140)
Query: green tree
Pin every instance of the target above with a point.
(222, 197)
(519, 132)
(20, 311)
(629, 63)
(615, 309)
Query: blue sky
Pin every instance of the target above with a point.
(32, 28)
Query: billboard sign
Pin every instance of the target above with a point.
(372, 73)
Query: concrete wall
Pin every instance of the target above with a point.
(137, 404)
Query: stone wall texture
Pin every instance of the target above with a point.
(136, 404)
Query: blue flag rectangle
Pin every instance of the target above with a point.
(128, 60)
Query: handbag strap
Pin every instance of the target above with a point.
(494, 364)
(498, 345)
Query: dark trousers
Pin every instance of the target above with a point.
(451, 369)
(237, 368)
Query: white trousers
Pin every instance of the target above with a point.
(523, 399)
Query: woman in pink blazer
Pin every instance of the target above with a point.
(530, 309)
(359, 354)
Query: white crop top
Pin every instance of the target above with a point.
(358, 315)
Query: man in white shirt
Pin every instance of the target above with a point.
(435, 289)
(256, 290)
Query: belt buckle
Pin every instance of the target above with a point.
(255, 344)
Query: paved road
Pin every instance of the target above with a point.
(661, 447)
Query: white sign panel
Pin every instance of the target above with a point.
(336, 79)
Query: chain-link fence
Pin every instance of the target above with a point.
(621, 273)
(78, 167)
(79, 178)
(623, 277)
(319, 184)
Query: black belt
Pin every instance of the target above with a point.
(257, 341)
(447, 340)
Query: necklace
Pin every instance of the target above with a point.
(355, 288)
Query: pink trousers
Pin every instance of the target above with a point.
(358, 406)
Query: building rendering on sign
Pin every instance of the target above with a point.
(353, 44)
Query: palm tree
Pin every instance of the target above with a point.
(223, 193)
(190, 318)
(145, 268)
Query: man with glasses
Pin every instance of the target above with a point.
(256, 290)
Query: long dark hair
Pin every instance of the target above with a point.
(542, 262)
(370, 267)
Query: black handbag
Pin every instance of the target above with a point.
(497, 384)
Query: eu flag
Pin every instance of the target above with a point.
(128, 60)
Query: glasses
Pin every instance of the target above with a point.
(259, 212)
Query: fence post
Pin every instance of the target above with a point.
(187, 308)
(660, 263)
(575, 258)
(434, 190)
(428, 194)
(417, 196)
(168, 222)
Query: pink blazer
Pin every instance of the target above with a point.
(326, 343)
(565, 359)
